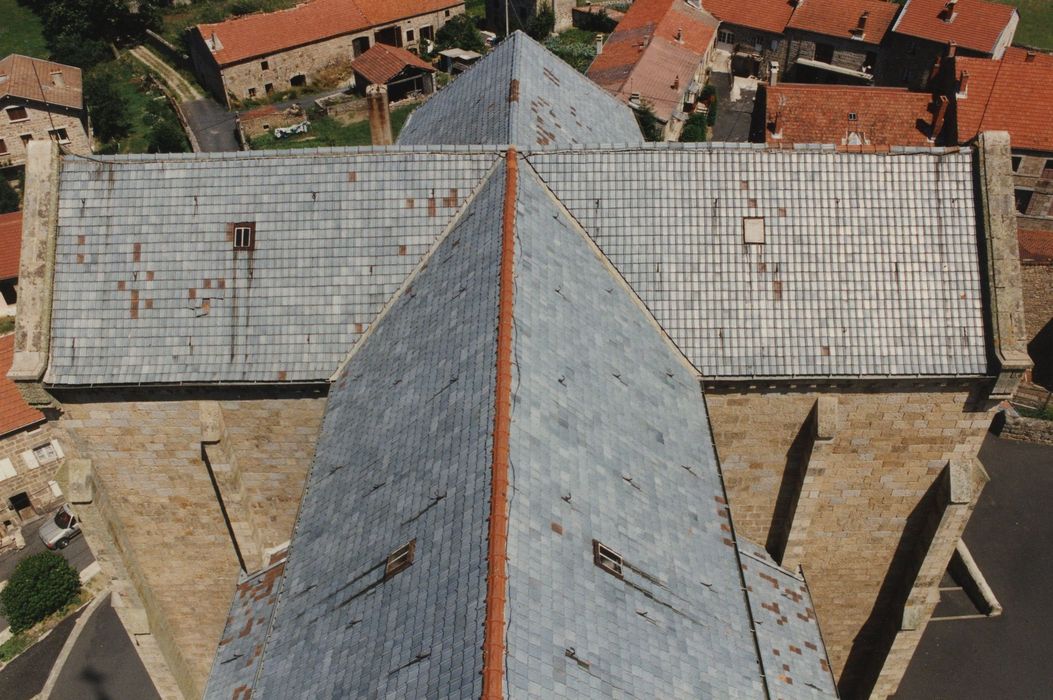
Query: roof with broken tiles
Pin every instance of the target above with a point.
(607, 441)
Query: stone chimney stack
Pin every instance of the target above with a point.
(941, 115)
(963, 84)
(599, 44)
(379, 115)
(773, 73)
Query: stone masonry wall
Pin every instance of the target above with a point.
(33, 480)
(38, 125)
(1028, 430)
(147, 460)
(887, 450)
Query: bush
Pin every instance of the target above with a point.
(713, 111)
(542, 23)
(8, 197)
(459, 33)
(106, 104)
(650, 127)
(578, 54)
(42, 583)
(166, 137)
(694, 129)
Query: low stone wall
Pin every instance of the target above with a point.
(1028, 430)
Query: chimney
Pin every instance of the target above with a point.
(599, 44)
(861, 28)
(963, 85)
(680, 35)
(952, 49)
(941, 115)
(634, 100)
(676, 83)
(1030, 57)
(947, 14)
(379, 115)
(773, 73)
(774, 124)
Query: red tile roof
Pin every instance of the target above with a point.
(977, 24)
(1015, 54)
(1036, 246)
(644, 55)
(381, 63)
(263, 34)
(839, 17)
(10, 244)
(766, 15)
(41, 81)
(820, 114)
(1008, 96)
(15, 413)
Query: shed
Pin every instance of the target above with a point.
(403, 72)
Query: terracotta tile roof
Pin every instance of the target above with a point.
(839, 17)
(10, 244)
(15, 413)
(820, 114)
(1016, 54)
(976, 25)
(262, 34)
(766, 15)
(1036, 246)
(1007, 96)
(381, 63)
(58, 84)
(644, 55)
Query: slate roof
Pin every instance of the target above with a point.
(766, 15)
(608, 440)
(976, 24)
(15, 413)
(521, 93)
(381, 63)
(265, 33)
(811, 114)
(41, 81)
(1007, 95)
(838, 18)
(10, 244)
(870, 266)
(644, 54)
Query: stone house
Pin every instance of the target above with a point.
(249, 57)
(658, 55)
(200, 367)
(40, 101)
(836, 41)
(753, 32)
(402, 72)
(521, 11)
(925, 28)
(30, 453)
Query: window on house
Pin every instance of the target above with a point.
(726, 37)
(753, 230)
(265, 65)
(45, 453)
(298, 80)
(58, 135)
(447, 13)
(17, 114)
(852, 116)
(26, 138)
(268, 88)
(606, 558)
(252, 92)
(409, 35)
(360, 45)
(7, 469)
(1023, 200)
(824, 52)
(243, 235)
(1016, 163)
(400, 559)
(3, 147)
(427, 33)
(1049, 166)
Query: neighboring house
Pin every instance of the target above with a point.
(404, 73)
(10, 246)
(29, 453)
(40, 100)
(836, 41)
(846, 116)
(925, 28)
(412, 321)
(1036, 260)
(519, 13)
(249, 57)
(657, 56)
(753, 31)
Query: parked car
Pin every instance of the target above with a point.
(57, 532)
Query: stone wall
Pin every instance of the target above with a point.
(1028, 430)
(161, 507)
(1037, 282)
(848, 54)
(884, 448)
(32, 476)
(38, 124)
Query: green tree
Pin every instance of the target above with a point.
(694, 129)
(650, 127)
(459, 33)
(542, 23)
(167, 137)
(107, 105)
(8, 197)
(41, 584)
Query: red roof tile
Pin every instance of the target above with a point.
(645, 55)
(820, 114)
(766, 15)
(10, 244)
(1015, 54)
(976, 25)
(381, 63)
(1008, 96)
(42, 81)
(839, 17)
(263, 34)
(1036, 246)
(15, 413)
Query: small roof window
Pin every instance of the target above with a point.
(243, 235)
(400, 559)
(753, 230)
(606, 558)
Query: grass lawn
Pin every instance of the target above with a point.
(20, 31)
(1036, 22)
(475, 8)
(326, 131)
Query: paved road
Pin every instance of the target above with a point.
(1011, 537)
(733, 118)
(25, 676)
(103, 664)
(212, 125)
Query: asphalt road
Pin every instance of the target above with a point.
(212, 125)
(103, 664)
(1011, 538)
(25, 676)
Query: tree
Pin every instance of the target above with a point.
(166, 137)
(542, 23)
(42, 584)
(650, 127)
(694, 129)
(459, 33)
(107, 105)
(8, 197)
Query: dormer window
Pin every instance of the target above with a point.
(852, 116)
(400, 559)
(606, 558)
(244, 235)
